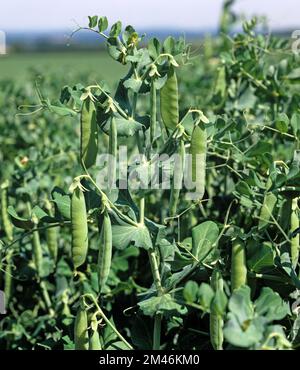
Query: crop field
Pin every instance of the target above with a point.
(97, 65)
(149, 194)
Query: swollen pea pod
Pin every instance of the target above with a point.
(94, 342)
(295, 239)
(215, 319)
(177, 179)
(89, 133)
(79, 228)
(105, 250)
(169, 107)
(238, 265)
(81, 335)
(7, 225)
(52, 236)
(198, 158)
(113, 148)
(267, 210)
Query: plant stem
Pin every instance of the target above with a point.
(108, 322)
(142, 211)
(157, 331)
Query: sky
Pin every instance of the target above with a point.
(37, 15)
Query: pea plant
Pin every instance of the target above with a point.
(173, 222)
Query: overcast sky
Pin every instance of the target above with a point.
(180, 14)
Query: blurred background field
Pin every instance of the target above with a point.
(94, 63)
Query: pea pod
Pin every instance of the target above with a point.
(215, 319)
(105, 251)
(37, 253)
(266, 210)
(89, 133)
(295, 226)
(198, 158)
(51, 235)
(81, 336)
(177, 179)
(94, 342)
(7, 225)
(79, 228)
(169, 107)
(113, 148)
(238, 265)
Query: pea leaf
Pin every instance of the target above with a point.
(164, 304)
(260, 256)
(102, 24)
(62, 201)
(116, 29)
(20, 222)
(203, 238)
(125, 235)
(93, 21)
(190, 291)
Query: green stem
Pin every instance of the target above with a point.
(142, 211)
(101, 313)
(157, 331)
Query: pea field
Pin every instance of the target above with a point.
(150, 199)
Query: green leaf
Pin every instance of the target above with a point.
(102, 24)
(154, 48)
(115, 29)
(295, 123)
(20, 222)
(260, 256)
(93, 21)
(205, 296)
(204, 236)
(250, 335)
(63, 202)
(271, 306)
(190, 291)
(125, 235)
(164, 304)
(168, 45)
(282, 122)
(133, 84)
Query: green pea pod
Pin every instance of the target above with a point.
(198, 158)
(177, 179)
(153, 105)
(216, 322)
(79, 228)
(37, 253)
(81, 336)
(89, 133)
(105, 251)
(95, 343)
(113, 148)
(51, 235)
(238, 265)
(169, 107)
(295, 239)
(266, 210)
(7, 225)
